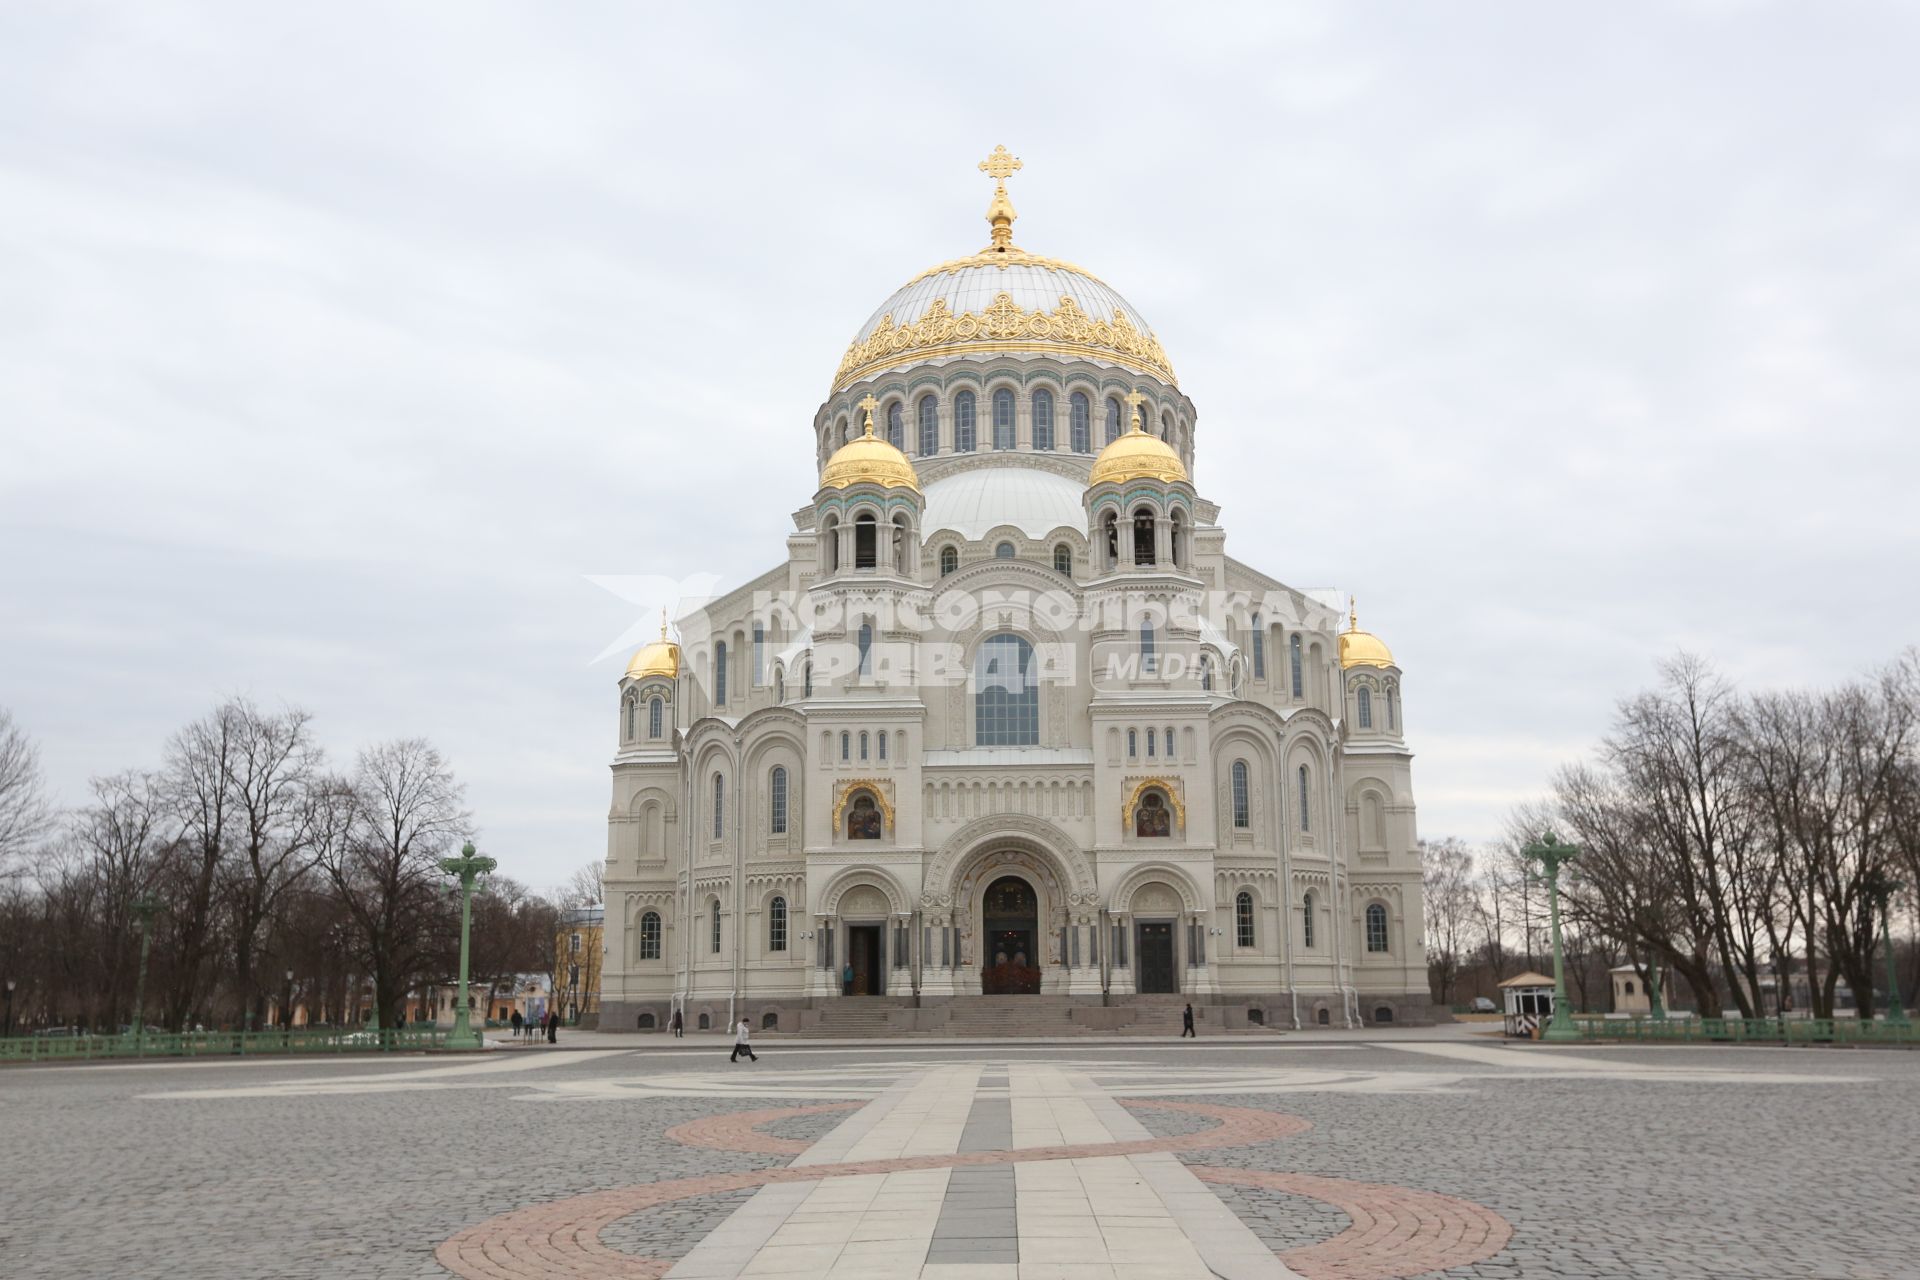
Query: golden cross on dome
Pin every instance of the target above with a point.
(1000, 165)
(663, 622)
(1353, 613)
(868, 403)
(1135, 399)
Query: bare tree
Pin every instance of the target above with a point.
(1446, 873)
(197, 779)
(586, 887)
(380, 837)
(24, 814)
(271, 776)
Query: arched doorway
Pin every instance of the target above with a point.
(1010, 925)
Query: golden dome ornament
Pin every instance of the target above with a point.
(869, 460)
(1137, 456)
(1361, 648)
(660, 658)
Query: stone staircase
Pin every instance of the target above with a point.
(854, 1017)
(1010, 1017)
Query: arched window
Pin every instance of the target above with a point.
(883, 744)
(846, 746)
(1113, 419)
(864, 818)
(1376, 927)
(633, 715)
(1063, 560)
(1151, 738)
(1242, 808)
(1003, 419)
(719, 806)
(1306, 922)
(949, 560)
(963, 422)
(1259, 650)
(1043, 419)
(1243, 919)
(650, 936)
(779, 686)
(1365, 699)
(777, 924)
(1305, 823)
(1006, 694)
(706, 1020)
(1177, 539)
(1153, 818)
(1146, 649)
(1110, 528)
(1003, 552)
(777, 801)
(1293, 661)
(759, 655)
(1393, 712)
(1143, 536)
(1206, 673)
(864, 642)
(929, 426)
(1133, 743)
(1080, 422)
(716, 926)
(656, 710)
(896, 426)
(866, 542)
(806, 678)
(863, 744)
(720, 674)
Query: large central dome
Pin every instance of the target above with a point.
(1003, 301)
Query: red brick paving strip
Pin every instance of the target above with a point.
(562, 1238)
(739, 1130)
(1396, 1231)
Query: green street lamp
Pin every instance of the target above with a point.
(1886, 889)
(469, 866)
(1656, 1010)
(1550, 854)
(144, 908)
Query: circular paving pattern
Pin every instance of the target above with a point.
(1395, 1231)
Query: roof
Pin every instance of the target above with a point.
(974, 502)
(1528, 979)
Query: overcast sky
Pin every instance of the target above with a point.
(342, 346)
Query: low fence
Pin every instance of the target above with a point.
(196, 1044)
(1751, 1030)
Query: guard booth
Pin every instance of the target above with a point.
(1529, 999)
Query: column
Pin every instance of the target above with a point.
(1162, 541)
(1120, 980)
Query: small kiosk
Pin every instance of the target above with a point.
(1529, 999)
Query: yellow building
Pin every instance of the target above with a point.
(578, 948)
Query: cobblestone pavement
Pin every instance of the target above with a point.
(1640, 1162)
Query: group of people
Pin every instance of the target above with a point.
(530, 1028)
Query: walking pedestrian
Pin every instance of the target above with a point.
(1186, 1024)
(740, 1044)
(553, 1027)
(518, 1022)
(846, 979)
(679, 1025)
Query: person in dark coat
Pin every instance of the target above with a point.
(1186, 1023)
(518, 1022)
(553, 1027)
(679, 1024)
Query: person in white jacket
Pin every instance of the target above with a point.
(740, 1044)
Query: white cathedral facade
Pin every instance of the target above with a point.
(1007, 718)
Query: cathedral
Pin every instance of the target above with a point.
(1007, 720)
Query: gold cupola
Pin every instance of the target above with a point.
(661, 658)
(869, 460)
(1137, 456)
(1361, 648)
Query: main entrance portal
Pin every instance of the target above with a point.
(1155, 959)
(1010, 919)
(863, 956)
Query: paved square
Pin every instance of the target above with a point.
(1339, 1158)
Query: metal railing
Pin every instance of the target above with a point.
(195, 1044)
(1750, 1030)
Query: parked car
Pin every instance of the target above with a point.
(1483, 1005)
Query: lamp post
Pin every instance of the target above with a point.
(11, 983)
(469, 866)
(1656, 1009)
(1551, 854)
(144, 908)
(286, 1005)
(1884, 888)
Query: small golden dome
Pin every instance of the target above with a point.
(1361, 648)
(1136, 456)
(661, 658)
(869, 460)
